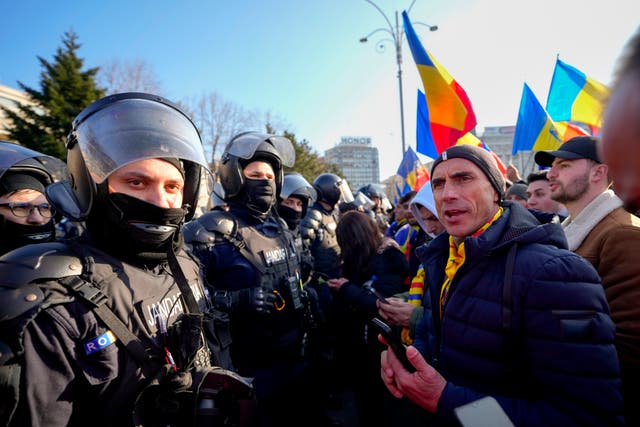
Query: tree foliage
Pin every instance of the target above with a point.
(65, 89)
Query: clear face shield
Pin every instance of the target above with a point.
(129, 130)
(121, 129)
(361, 200)
(294, 183)
(345, 191)
(246, 146)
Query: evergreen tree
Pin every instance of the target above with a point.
(64, 91)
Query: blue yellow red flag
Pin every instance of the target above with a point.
(449, 109)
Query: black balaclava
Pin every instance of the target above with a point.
(15, 235)
(291, 216)
(127, 226)
(257, 196)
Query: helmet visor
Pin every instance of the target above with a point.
(345, 191)
(11, 154)
(246, 148)
(136, 129)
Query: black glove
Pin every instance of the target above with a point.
(252, 299)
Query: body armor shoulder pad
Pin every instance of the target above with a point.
(313, 219)
(207, 226)
(22, 268)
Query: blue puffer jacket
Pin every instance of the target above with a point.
(543, 346)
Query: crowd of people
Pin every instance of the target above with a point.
(120, 305)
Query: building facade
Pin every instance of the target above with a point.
(500, 140)
(357, 158)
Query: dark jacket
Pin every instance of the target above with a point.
(543, 346)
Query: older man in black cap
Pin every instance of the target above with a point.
(602, 231)
(511, 315)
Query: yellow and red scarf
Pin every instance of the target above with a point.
(456, 259)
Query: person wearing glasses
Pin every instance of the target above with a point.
(25, 214)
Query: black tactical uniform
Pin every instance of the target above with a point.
(116, 329)
(318, 228)
(254, 271)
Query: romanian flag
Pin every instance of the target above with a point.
(471, 139)
(413, 172)
(449, 108)
(575, 97)
(424, 140)
(534, 129)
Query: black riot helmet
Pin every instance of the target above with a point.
(295, 185)
(247, 147)
(16, 159)
(373, 190)
(332, 189)
(120, 129)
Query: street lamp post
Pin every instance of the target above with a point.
(396, 34)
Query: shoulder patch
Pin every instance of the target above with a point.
(99, 343)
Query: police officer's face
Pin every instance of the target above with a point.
(155, 181)
(28, 196)
(293, 203)
(259, 170)
(464, 197)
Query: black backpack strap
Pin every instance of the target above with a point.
(96, 299)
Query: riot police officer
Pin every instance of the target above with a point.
(318, 227)
(296, 196)
(381, 204)
(254, 271)
(25, 214)
(119, 323)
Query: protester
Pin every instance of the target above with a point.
(369, 260)
(401, 214)
(517, 193)
(604, 233)
(113, 329)
(406, 309)
(25, 214)
(512, 313)
(539, 195)
(621, 126)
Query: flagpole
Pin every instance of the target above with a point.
(396, 37)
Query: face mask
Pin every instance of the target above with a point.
(260, 194)
(291, 216)
(146, 222)
(15, 235)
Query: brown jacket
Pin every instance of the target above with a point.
(612, 247)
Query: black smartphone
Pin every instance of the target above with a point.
(378, 295)
(394, 342)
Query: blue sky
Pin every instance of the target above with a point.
(302, 61)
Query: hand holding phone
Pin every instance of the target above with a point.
(394, 343)
(368, 286)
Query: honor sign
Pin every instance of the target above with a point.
(355, 140)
